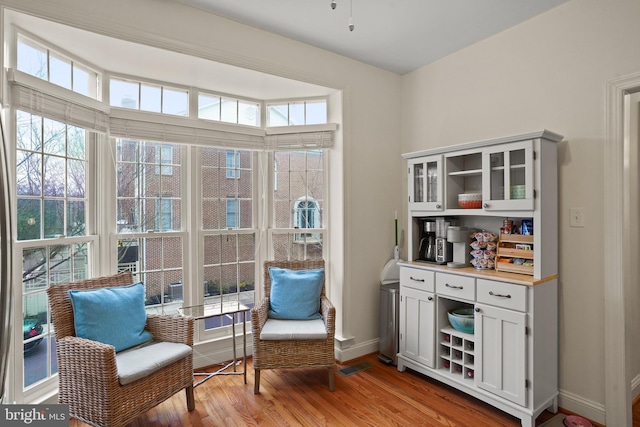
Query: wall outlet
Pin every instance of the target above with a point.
(576, 217)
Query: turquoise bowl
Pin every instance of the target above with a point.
(462, 320)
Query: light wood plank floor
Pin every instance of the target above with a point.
(378, 396)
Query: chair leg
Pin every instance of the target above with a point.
(191, 403)
(332, 383)
(256, 386)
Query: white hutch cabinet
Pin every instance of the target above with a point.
(511, 359)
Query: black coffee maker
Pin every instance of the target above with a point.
(427, 247)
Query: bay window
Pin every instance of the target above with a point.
(191, 208)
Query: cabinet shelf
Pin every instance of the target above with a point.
(472, 172)
(506, 251)
(516, 238)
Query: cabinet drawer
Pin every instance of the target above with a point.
(417, 279)
(500, 294)
(456, 286)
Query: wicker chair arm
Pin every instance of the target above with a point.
(328, 312)
(80, 354)
(259, 314)
(170, 328)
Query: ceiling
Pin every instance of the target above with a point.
(396, 35)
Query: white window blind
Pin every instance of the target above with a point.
(184, 131)
(40, 97)
(306, 137)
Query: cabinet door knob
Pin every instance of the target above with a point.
(438, 206)
(416, 280)
(477, 310)
(430, 298)
(485, 205)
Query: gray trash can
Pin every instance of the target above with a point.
(389, 322)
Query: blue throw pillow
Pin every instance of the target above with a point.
(295, 294)
(114, 316)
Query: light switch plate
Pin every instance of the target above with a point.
(576, 217)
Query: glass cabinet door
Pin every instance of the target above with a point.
(425, 183)
(508, 177)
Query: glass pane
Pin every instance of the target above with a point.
(278, 115)
(127, 180)
(28, 131)
(28, 219)
(154, 287)
(249, 113)
(127, 216)
(517, 174)
(209, 107)
(32, 59)
(432, 182)
(28, 173)
(76, 218)
(61, 264)
(293, 246)
(211, 213)
(127, 150)
(60, 71)
(55, 134)
(211, 252)
(35, 339)
(497, 176)
(150, 98)
(175, 102)
(247, 282)
(53, 218)
(229, 248)
(418, 183)
(54, 176)
(212, 281)
(34, 269)
(316, 112)
(76, 178)
(246, 247)
(82, 83)
(76, 142)
(296, 114)
(123, 94)
(80, 262)
(229, 113)
(246, 217)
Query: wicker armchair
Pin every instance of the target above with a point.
(87, 371)
(278, 354)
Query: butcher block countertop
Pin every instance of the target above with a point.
(489, 274)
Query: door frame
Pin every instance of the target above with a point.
(617, 259)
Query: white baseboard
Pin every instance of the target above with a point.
(213, 353)
(357, 350)
(581, 406)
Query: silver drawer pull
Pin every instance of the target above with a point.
(499, 295)
(453, 287)
(416, 280)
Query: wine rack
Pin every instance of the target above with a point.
(457, 353)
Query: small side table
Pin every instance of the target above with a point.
(228, 308)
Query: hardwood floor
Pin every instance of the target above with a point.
(378, 396)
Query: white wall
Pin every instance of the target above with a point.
(370, 135)
(549, 72)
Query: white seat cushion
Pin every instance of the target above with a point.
(138, 362)
(276, 329)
